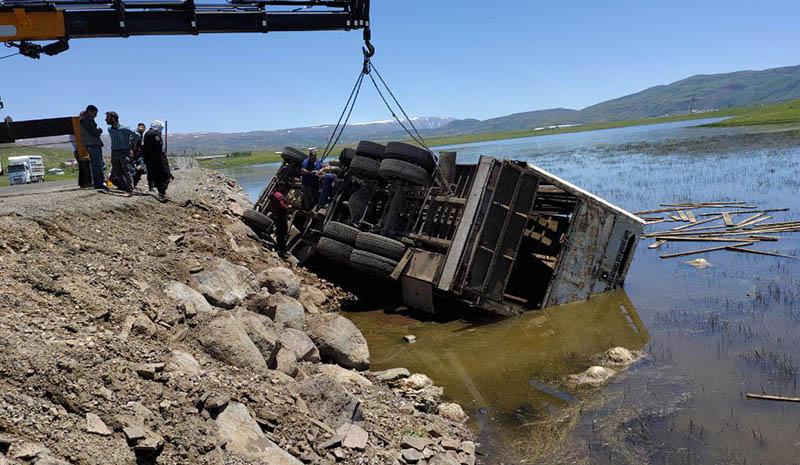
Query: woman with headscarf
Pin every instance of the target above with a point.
(155, 159)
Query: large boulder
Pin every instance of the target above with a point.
(262, 333)
(286, 361)
(338, 339)
(280, 279)
(312, 298)
(193, 302)
(224, 284)
(258, 302)
(225, 338)
(242, 435)
(182, 363)
(343, 375)
(301, 344)
(285, 311)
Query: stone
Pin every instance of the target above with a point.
(434, 431)
(286, 361)
(618, 356)
(236, 209)
(339, 340)
(280, 279)
(224, 284)
(96, 426)
(140, 412)
(392, 374)
(412, 455)
(262, 333)
(329, 400)
(142, 325)
(466, 459)
(334, 441)
(452, 412)
(343, 375)
(285, 311)
(149, 370)
(243, 436)
(409, 339)
(339, 454)
(216, 400)
(27, 450)
(258, 302)
(414, 442)
(354, 436)
(312, 298)
(593, 376)
(46, 459)
(301, 344)
(450, 444)
(226, 339)
(193, 302)
(134, 433)
(417, 381)
(182, 363)
(468, 447)
(447, 458)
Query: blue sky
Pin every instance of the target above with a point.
(459, 58)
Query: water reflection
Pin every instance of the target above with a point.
(511, 368)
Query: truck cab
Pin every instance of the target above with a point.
(25, 169)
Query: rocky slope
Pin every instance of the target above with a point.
(138, 332)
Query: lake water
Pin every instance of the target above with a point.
(709, 335)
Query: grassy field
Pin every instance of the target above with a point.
(779, 113)
(52, 158)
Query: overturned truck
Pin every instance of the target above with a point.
(501, 235)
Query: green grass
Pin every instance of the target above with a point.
(778, 113)
(256, 158)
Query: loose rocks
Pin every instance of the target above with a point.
(243, 436)
(224, 284)
(280, 279)
(192, 301)
(226, 339)
(301, 344)
(453, 412)
(285, 311)
(339, 340)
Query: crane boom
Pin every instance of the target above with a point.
(25, 22)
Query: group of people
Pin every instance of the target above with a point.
(133, 154)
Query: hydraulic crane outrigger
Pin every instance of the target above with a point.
(22, 23)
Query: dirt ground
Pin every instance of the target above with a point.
(86, 330)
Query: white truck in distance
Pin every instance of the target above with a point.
(25, 170)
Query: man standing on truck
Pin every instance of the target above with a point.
(121, 140)
(280, 213)
(90, 135)
(310, 170)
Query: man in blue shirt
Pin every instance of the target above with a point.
(121, 139)
(310, 171)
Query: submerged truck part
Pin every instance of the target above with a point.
(506, 236)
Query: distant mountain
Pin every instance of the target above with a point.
(696, 93)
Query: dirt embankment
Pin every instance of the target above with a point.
(138, 332)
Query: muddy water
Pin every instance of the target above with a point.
(710, 335)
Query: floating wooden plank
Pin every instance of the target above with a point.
(742, 212)
(683, 215)
(751, 223)
(676, 218)
(726, 217)
(701, 239)
(652, 212)
(763, 238)
(700, 203)
(656, 244)
(698, 223)
(739, 248)
(655, 221)
(692, 218)
(743, 222)
(652, 218)
(776, 398)
(712, 249)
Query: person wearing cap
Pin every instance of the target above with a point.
(280, 213)
(310, 170)
(121, 140)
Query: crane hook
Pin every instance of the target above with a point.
(369, 51)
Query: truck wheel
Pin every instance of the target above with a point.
(370, 263)
(380, 245)
(347, 156)
(370, 149)
(258, 222)
(411, 154)
(341, 232)
(398, 169)
(365, 167)
(292, 155)
(334, 250)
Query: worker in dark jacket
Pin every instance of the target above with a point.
(137, 157)
(156, 160)
(310, 171)
(90, 136)
(280, 213)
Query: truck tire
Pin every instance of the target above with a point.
(347, 156)
(399, 169)
(411, 154)
(372, 264)
(335, 250)
(292, 155)
(380, 245)
(365, 167)
(258, 222)
(341, 232)
(370, 149)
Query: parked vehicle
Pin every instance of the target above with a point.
(25, 169)
(502, 235)
(55, 171)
